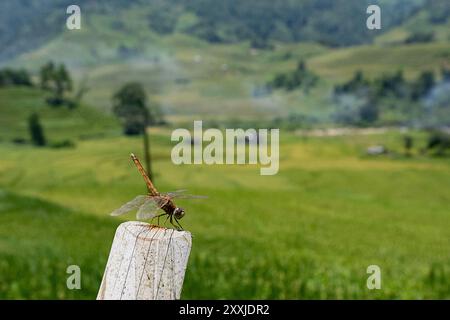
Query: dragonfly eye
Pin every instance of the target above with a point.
(178, 213)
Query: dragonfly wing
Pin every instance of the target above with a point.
(175, 194)
(181, 195)
(131, 205)
(149, 208)
(191, 196)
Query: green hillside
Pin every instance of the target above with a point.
(188, 74)
(27, 25)
(189, 77)
(376, 60)
(60, 123)
(432, 20)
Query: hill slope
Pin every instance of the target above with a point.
(188, 74)
(60, 123)
(26, 25)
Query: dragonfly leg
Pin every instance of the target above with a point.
(179, 224)
(165, 221)
(172, 218)
(160, 215)
(157, 217)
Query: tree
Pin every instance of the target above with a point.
(438, 141)
(355, 85)
(408, 144)
(46, 74)
(300, 77)
(36, 130)
(368, 113)
(423, 84)
(130, 105)
(390, 84)
(445, 73)
(62, 81)
(11, 77)
(57, 80)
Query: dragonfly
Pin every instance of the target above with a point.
(147, 206)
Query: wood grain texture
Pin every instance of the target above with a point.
(145, 263)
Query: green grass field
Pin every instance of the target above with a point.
(308, 232)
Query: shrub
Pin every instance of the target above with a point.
(420, 37)
(63, 144)
(19, 141)
(10, 77)
(36, 130)
(438, 141)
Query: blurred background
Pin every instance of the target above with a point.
(364, 149)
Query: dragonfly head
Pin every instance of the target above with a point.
(178, 213)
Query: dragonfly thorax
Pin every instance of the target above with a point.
(178, 213)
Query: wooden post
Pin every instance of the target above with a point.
(145, 263)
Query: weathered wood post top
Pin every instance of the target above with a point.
(146, 262)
